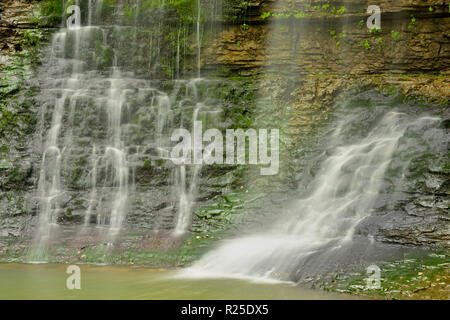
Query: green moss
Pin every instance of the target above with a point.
(399, 279)
(265, 15)
(186, 9)
(147, 165)
(375, 31)
(341, 10)
(395, 35)
(379, 41)
(223, 212)
(360, 102)
(50, 12)
(412, 23)
(234, 10)
(107, 9)
(365, 44)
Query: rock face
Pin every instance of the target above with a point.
(17, 116)
(304, 37)
(15, 20)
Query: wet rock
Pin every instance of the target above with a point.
(424, 45)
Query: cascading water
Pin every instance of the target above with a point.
(187, 195)
(105, 122)
(313, 228)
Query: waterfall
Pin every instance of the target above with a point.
(106, 121)
(187, 196)
(324, 217)
(93, 195)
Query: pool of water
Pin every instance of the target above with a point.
(48, 281)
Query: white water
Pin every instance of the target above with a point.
(98, 118)
(324, 218)
(187, 195)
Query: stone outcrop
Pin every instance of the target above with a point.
(296, 38)
(16, 17)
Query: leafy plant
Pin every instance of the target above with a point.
(365, 44)
(33, 37)
(430, 9)
(380, 41)
(375, 30)
(265, 15)
(333, 34)
(395, 35)
(244, 26)
(51, 11)
(299, 15)
(412, 23)
(341, 10)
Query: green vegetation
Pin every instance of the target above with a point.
(333, 33)
(365, 44)
(323, 10)
(299, 15)
(375, 31)
(13, 76)
(341, 10)
(234, 10)
(416, 277)
(380, 41)
(412, 23)
(395, 35)
(50, 12)
(265, 15)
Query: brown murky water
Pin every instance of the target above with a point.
(48, 281)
